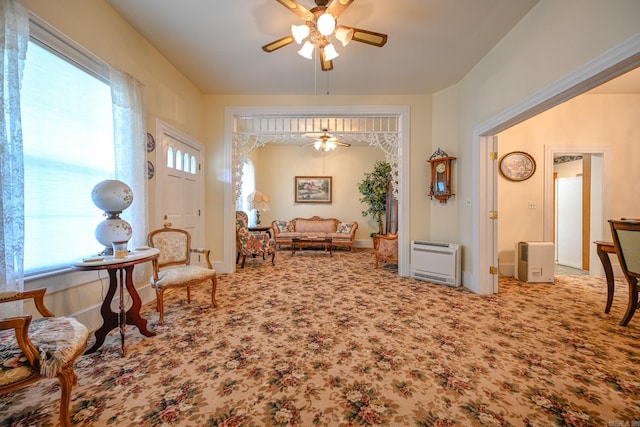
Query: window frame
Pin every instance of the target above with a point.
(52, 40)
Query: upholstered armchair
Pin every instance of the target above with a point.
(252, 243)
(172, 269)
(34, 349)
(386, 248)
(626, 239)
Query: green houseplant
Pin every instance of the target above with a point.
(374, 192)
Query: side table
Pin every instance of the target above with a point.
(120, 276)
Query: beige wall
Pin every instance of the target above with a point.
(276, 167)
(541, 49)
(609, 121)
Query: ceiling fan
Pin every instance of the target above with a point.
(320, 24)
(325, 141)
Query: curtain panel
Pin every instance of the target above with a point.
(14, 39)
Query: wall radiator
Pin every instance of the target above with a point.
(436, 262)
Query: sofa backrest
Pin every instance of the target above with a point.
(316, 224)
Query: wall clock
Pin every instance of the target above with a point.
(517, 166)
(440, 187)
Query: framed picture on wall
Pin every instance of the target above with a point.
(313, 189)
(517, 166)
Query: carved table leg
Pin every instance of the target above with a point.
(133, 315)
(109, 318)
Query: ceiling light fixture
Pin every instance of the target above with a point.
(319, 28)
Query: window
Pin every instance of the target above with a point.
(68, 148)
(248, 187)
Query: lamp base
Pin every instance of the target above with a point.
(257, 218)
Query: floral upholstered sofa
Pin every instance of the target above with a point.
(341, 233)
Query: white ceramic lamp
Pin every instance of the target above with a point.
(112, 196)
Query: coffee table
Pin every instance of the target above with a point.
(299, 241)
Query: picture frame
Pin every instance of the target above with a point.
(517, 166)
(313, 189)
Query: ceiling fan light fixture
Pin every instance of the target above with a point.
(299, 32)
(307, 50)
(326, 24)
(330, 52)
(344, 35)
(329, 145)
(317, 145)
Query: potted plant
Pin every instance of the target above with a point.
(374, 192)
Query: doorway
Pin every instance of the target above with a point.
(624, 58)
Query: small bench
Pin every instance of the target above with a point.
(342, 234)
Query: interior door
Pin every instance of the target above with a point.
(180, 185)
(569, 221)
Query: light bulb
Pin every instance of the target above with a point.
(307, 50)
(317, 145)
(330, 52)
(299, 32)
(326, 24)
(344, 35)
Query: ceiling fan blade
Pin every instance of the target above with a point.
(342, 144)
(368, 37)
(297, 8)
(338, 6)
(275, 45)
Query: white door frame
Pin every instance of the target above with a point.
(228, 263)
(162, 129)
(611, 64)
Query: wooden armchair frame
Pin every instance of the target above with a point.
(386, 248)
(175, 270)
(626, 239)
(20, 324)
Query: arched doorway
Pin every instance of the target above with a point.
(396, 151)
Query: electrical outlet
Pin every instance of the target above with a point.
(532, 205)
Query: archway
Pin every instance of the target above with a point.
(392, 140)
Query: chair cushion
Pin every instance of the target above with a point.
(316, 226)
(14, 366)
(58, 340)
(182, 275)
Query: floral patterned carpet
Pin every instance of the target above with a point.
(328, 341)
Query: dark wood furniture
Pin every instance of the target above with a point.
(626, 238)
(311, 241)
(120, 276)
(64, 337)
(265, 229)
(603, 249)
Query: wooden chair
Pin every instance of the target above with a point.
(386, 248)
(42, 348)
(173, 269)
(626, 239)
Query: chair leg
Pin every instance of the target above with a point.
(68, 379)
(633, 301)
(237, 257)
(243, 258)
(160, 301)
(214, 282)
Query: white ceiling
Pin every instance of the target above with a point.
(217, 43)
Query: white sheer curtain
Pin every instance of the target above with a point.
(130, 152)
(14, 38)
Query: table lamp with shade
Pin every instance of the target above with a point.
(113, 197)
(258, 201)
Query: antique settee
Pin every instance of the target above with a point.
(342, 234)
